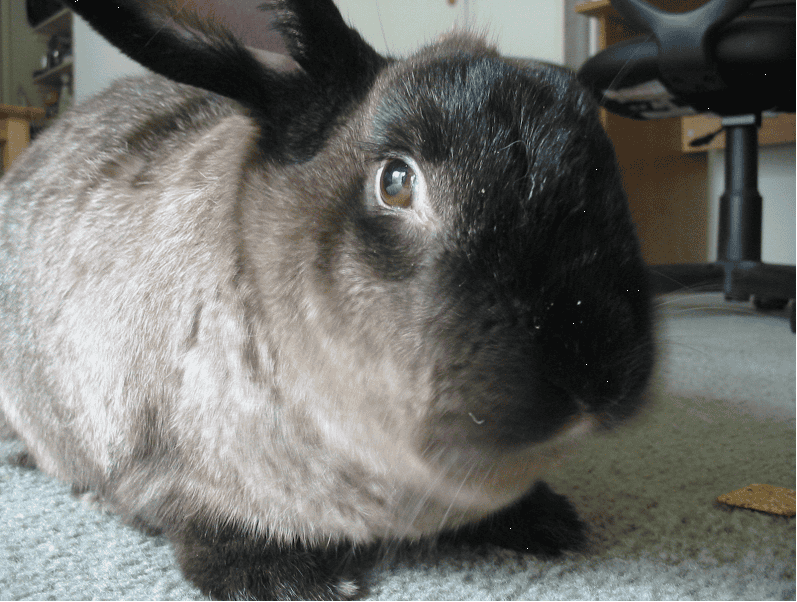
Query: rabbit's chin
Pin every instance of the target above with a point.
(464, 484)
(448, 486)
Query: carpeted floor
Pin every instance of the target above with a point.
(723, 417)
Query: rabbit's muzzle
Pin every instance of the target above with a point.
(508, 378)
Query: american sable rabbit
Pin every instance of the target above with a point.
(284, 315)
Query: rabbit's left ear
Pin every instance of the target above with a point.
(204, 43)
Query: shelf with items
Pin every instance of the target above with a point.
(55, 77)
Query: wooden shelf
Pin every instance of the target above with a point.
(14, 112)
(52, 77)
(596, 8)
(60, 22)
(604, 8)
(775, 129)
(15, 130)
(52, 81)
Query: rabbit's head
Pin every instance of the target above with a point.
(464, 274)
(440, 246)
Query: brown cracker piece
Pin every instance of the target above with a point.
(766, 498)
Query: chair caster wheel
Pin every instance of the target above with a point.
(767, 304)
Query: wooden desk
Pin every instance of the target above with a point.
(15, 130)
(666, 179)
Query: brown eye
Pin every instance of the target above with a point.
(396, 183)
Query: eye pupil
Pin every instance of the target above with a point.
(397, 183)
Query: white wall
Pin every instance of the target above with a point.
(97, 62)
(524, 28)
(776, 185)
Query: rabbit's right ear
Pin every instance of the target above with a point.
(183, 40)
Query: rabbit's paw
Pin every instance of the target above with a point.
(22, 459)
(228, 565)
(542, 522)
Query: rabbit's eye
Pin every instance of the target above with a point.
(396, 183)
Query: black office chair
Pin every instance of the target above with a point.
(734, 58)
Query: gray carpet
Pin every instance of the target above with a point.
(722, 417)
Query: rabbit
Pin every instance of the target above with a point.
(288, 316)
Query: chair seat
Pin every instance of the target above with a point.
(754, 56)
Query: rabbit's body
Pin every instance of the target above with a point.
(209, 317)
(154, 348)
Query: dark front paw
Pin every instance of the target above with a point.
(229, 565)
(542, 522)
(22, 459)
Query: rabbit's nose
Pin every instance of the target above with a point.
(600, 355)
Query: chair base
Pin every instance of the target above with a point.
(772, 286)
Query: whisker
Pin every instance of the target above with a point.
(464, 480)
(624, 69)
